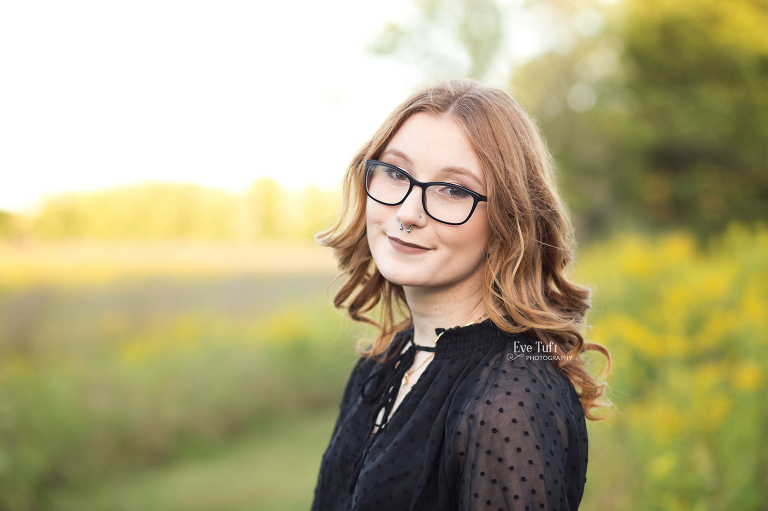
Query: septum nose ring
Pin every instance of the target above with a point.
(409, 229)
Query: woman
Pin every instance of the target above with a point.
(451, 224)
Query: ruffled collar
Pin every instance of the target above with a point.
(456, 340)
(382, 386)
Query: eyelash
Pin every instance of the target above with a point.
(449, 182)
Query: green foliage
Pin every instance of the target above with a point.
(13, 226)
(700, 71)
(662, 121)
(180, 211)
(274, 213)
(265, 198)
(97, 381)
(151, 210)
(107, 379)
(5, 221)
(687, 331)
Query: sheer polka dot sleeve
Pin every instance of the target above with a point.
(511, 442)
(359, 371)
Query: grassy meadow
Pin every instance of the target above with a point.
(192, 376)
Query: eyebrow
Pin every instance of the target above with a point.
(446, 170)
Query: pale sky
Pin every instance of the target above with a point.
(96, 94)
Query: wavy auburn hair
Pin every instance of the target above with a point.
(526, 285)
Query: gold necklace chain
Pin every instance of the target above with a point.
(411, 371)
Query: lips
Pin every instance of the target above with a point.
(401, 242)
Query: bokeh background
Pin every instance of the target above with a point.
(167, 340)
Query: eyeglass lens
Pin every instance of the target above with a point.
(445, 203)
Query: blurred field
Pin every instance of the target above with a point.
(688, 330)
(116, 357)
(30, 261)
(269, 469)
(190, 377)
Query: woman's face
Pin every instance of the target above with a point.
(429, 148)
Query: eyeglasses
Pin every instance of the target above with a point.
(447, 203)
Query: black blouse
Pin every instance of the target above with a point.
(486, 426)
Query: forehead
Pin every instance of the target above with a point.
(431, 145)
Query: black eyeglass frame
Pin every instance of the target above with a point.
(414, 182)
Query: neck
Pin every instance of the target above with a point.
(444, 307)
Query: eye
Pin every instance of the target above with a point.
(453, 193)
(396, 175)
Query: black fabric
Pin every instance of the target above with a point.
(484, 427)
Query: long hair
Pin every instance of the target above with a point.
(526, 284)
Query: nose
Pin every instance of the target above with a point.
(411, 211)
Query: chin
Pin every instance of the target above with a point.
(412, 276)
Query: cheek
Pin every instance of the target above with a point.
(375, 216)
(370, 213)
(369, 217)
(374, 212)
(464, 256)
(469, 241)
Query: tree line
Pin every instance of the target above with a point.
(179, 211)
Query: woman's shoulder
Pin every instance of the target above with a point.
(366, 364)
(367, 368)
(521, 375)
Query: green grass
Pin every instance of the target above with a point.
(275, 468)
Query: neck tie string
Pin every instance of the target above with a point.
(372, 389)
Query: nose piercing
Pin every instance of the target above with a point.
(401, 227)
(409, 229)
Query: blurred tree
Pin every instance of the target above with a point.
(662, 120)
(180, 211)
(12, 225)
(448, 37)
(151, 210)
(265, 201)
(318, 208)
